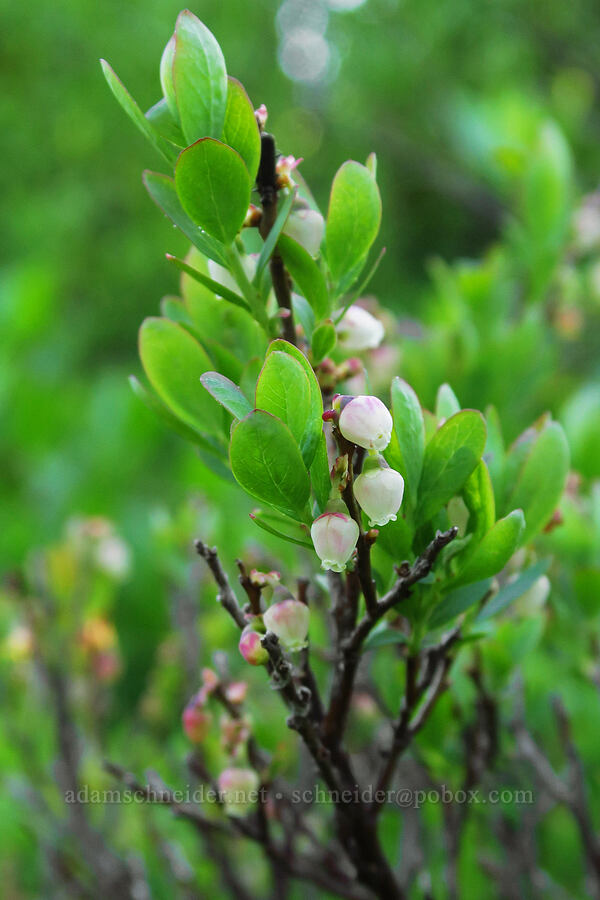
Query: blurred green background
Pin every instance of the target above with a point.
(486, 122)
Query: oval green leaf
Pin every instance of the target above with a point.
(199, 79)
(410, 433)
(213, 186)
(353, 221)
(450, 457)
(240, 130)
(267, 463)
(174, 361)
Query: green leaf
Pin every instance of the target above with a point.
(219, 289)
(316, 398)
(353, 220)
(450, 457)
(249, 377)
(162, 190)
(308, 277)
(513, 590)
(382, 636)
(136, 115)
(282, 527)
(323, 341)
(274, 234)
(396, 539)
(457, 602)
(226, 393)
(175, 309)
(284, 391)
(541, 480)
(495, 549)
(174, 361)
(240, 130)
(166, 78)
(303, 315)
(267, 463)
(446, 404)
(199, 79)
(478, 495)
(494, 453)
(319, 473)
(214, 188)
(410, 433)
(152, 402)
(160, 118)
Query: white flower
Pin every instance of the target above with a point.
(289, 621)
(367, 422)
(379, 491)
(307, 226)
(334, 535)
(359, 330)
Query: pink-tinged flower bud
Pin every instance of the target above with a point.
(379, 491)
(307, 226)
(289, 621)
(334, 535)
(359, 330)
(238, 789)
(284, 167)
(251, 648)
(366, 421)
(261, 116)
(236, 691)
(196, 722)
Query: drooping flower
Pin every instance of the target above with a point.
(379, 491)
(334, 535)
(367, 422)
(359, 330)
(289, 621)
(307, 226)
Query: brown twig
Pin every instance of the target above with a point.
(266, 182)
(226, 596)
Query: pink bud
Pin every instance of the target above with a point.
(210, 680)
(261, 116)
(367, 422)
(379, 491)
(359, 330)
(251, 648)
(334, 535)
(196, 722)
(236, 691)
(289, 621)
(238, 788)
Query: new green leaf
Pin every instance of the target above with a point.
(353, 221)
(213, 186)
(226, 393)
(267, 463)
(541, 480)
(306, 273)
(495, 550)
(199, 79)
(174, 361)
(410, 433)
(450, 457)
(240, 130)
(283, 390)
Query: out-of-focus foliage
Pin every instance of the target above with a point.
(486, 128)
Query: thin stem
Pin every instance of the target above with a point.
(248, 291)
